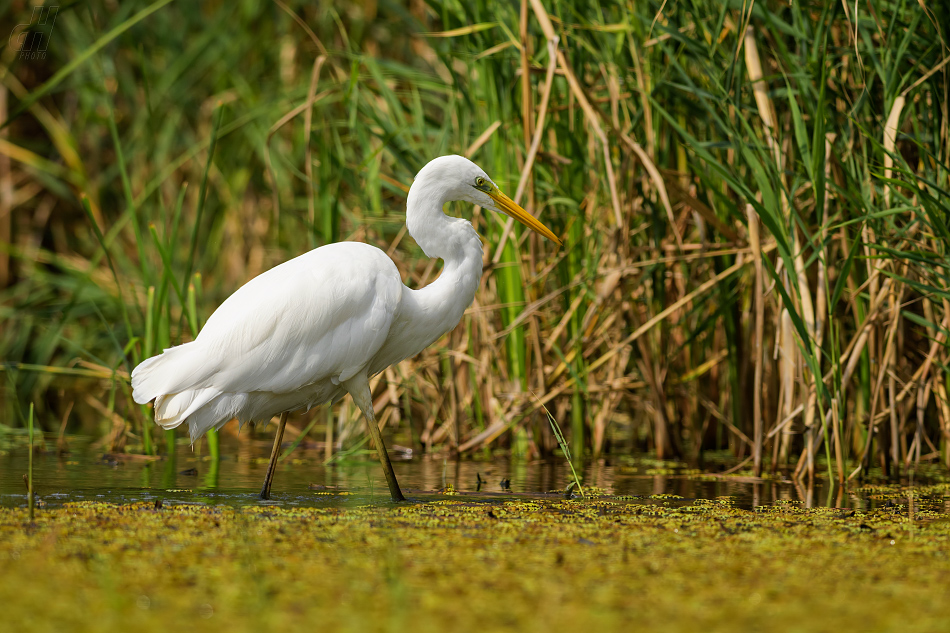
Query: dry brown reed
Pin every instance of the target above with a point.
(765, 275)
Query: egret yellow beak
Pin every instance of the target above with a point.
(510, 208)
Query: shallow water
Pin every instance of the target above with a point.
(87, 474)
(659, 547)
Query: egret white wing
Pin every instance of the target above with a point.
(320, 316)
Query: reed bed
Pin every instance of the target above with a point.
(753, 200)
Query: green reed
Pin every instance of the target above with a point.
(823, 125)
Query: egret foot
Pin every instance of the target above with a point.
(274, 454)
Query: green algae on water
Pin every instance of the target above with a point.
(459, 565)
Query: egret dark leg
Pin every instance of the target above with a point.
(358, 387)
(274, 454)
(383, 456)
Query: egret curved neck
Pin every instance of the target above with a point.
(440, 305)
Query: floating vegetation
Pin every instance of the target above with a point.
(459, 565)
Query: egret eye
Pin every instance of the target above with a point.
(480, 182)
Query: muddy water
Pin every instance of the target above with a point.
(303, 479)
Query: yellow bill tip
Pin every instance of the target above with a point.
(510, 208)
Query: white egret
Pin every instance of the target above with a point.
(317, 327)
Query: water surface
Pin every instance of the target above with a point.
(303, 479)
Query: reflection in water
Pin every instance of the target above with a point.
(303, 478)
(169, 473)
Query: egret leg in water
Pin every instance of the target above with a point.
(317, 327)
(358, 387)
(274, 454)
(359, 390)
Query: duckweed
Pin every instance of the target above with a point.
(462, 565)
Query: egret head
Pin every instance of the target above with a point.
(464, 180)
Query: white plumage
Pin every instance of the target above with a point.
(318, 326)
(284, 341)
